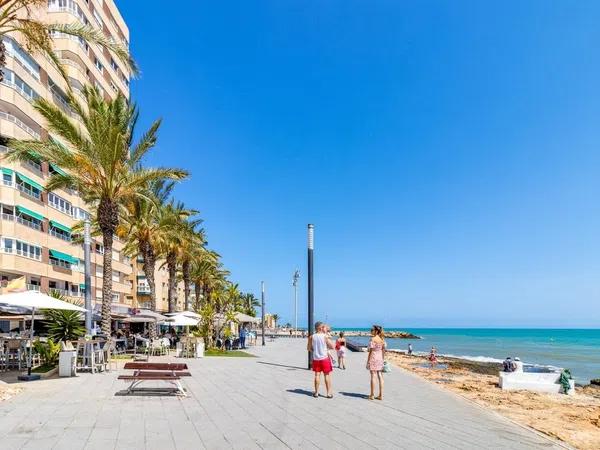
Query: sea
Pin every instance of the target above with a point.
(575, 349)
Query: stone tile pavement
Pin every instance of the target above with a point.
(250, 403)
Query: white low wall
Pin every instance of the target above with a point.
(531, 381)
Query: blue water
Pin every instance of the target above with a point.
(577, 350)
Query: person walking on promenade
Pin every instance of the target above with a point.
(375, 360)
(319, 344)
(243, 337)
(340, 346)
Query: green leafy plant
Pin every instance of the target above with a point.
(48, 351)
(63, 325)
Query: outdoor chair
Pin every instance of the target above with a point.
(14, 353)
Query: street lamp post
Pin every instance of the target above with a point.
(87, 243)
(295, 283)
(311, 318)
(262, 296)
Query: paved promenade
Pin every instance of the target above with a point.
(248, 403)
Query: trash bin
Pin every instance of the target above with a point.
(200, 348)
(66, 363)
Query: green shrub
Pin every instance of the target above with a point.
(48, 351)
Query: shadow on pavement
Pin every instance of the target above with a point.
(354, 395)
(281, 365)
(301, 392)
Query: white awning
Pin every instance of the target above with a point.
(179, 320)
(36, 300)
(245, 318)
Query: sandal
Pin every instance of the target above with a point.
(370, 397)
(330, 396)
(379, 397)
(316, 395)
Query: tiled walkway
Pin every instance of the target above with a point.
(245, 403)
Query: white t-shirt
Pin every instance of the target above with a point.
(319, 346)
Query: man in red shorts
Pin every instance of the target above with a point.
(319, 344)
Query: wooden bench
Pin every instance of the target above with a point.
(147, 371)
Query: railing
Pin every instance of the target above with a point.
(19, 123)
(29, 192)
(62, 103)
(60, 263)
(29, 223)
(11, 84)
(8, 183)
(33, 287)
(143, 289)
(29, 255)
(8, 217)
(60, 291)
(35, 166)
(63, 236)
(70, 9)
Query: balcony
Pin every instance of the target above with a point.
(59, 235)
(29, 192)
(8, 217)
(29, 223)
(143, 289)
(20, 124)
(33, 287)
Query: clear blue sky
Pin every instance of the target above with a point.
(448, 152)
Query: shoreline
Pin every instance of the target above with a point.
(574, 420)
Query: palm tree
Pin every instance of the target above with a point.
(275, 319)
(206, 274)
(192, 246)
(141, 227)
(16, 17)
(250, 303)
(104, 165)
(176, 220)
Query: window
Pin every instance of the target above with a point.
(67, 5)
(28, 188)
(60, 263)
(99, 271)
(28, 250)
(14, 81)
(7, 179)
(116, 276)
(59, 232)
(22, 57)
(99, 248)
(115, 298)
(98, 64)
(114, 65)
(59, 203)
(80, 214)
(7, 245)
(98, 18)
(125, 80)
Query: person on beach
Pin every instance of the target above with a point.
(319, 345)
(518, 365)
(410, 350)
(340, 346)
(375, 360)
(507, 365)
(433, 357)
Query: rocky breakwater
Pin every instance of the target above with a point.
(388, 334)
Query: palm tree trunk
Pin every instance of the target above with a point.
(172, 268)
(149, 265)
(108, 219)
(198, 291)
(2, 59)
(107, 240)
(185, 270)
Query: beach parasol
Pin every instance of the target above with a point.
(180, 320)
(34, 300)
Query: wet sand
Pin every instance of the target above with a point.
(574, 420)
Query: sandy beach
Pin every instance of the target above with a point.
(574, 420)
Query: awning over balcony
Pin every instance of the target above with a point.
(30, 213)
(57, 169)
(63, 256)
(7, 171)
(60, 226)
(29, 181)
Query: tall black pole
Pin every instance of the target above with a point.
(262, 296)
(87, 280)
(311, 299)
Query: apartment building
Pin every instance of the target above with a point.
(35, 226)
(141, 289)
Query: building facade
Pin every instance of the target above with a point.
(35, 226)
(141, 291)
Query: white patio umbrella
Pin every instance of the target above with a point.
(191, 314)
(33, 300)
(245, 318)
(179, 320)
